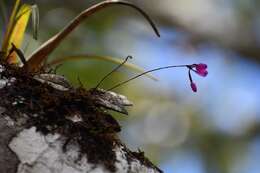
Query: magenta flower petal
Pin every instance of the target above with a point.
(193, 87)
(201, 67)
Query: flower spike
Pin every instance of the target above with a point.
(200, 69)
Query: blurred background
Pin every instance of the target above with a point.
(217, 129)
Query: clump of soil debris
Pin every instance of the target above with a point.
(72, 113)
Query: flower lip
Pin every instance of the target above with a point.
(202, 73)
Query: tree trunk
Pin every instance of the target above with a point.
(50, 127)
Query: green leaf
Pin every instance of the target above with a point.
(3, 11)
(10, 27)
(35, 21)
(18, 31)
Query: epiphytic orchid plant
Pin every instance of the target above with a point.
(17, 23)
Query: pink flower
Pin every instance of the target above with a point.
(193, 87)
(201, 69)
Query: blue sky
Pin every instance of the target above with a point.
(228, 96)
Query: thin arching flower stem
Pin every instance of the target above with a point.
(141, 74)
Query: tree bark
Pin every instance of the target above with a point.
(47, 130)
